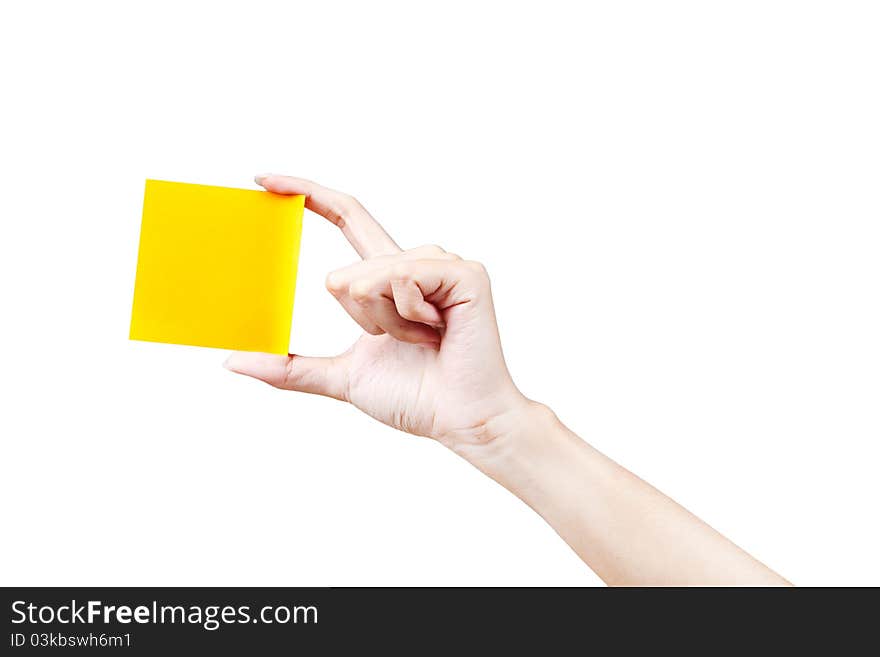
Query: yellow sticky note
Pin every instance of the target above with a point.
(216, 267)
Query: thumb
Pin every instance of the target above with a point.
(319, 376)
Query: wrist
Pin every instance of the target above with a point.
(516, 446)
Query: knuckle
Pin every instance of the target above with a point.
(427, 251)
(290, 376)
(343, 207)
(407, 314)
(400, 271)
(405, 308)
(335, 283)
(360, 290)
(350, 204)
(374, 330)
(476, 269)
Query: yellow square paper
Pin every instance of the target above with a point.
(216, 267)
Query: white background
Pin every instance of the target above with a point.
(678, 204)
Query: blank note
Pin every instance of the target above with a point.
(216, 267)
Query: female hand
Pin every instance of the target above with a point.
(429, 361)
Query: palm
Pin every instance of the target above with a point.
(395, 382)
(421, 390)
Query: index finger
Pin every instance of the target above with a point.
(363, 232)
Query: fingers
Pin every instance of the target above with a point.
(375, 313)
(363, 232)
(378, 301)
(411, 305)
(443, 283)
(405, 296)
(383, 311)
(318, 376)
(354, 309)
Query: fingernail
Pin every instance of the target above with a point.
(228, 363)
(260, 177)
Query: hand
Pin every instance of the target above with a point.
(430, 360)
(430, 363)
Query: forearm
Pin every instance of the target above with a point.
(624, 529)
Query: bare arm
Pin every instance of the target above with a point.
(430, 363)
(626, 530)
